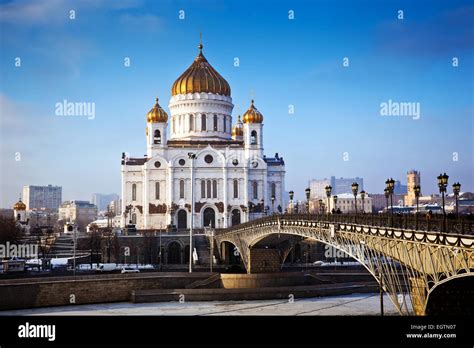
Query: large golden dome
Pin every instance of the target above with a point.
(252, 115)
(157, 114)
(19, 205)
(200, 77)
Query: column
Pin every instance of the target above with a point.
(224, 176)
(170, 193)
(145, 199)
(246, 192)
(265, 191)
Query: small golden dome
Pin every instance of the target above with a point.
(238, 129)
(157, 114)
(200, 77)
(19, 205)
(252, 115)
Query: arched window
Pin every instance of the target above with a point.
(225, 124)
(215, 123)
(255, 190)
(157, 190)
(134, 219)
(203, 188)
(157, 137)
(191, 122)
(273, 190)
(181, 189)
(209, 189)
(214, 188)
(134, 192)
(253, 137)
(236, 188)
(203, 122)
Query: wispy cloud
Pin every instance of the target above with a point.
(55, 12)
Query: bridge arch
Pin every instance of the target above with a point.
(314, 238)
(404, 262)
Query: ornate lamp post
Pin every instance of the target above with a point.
(362, 196)
(320, 206)
(456, 191)
(442, 184)
(335, 203)
(308, 193)
(390, 186)
(292, 194)
(328, 189)
(387, 195)
(355, 189)
(417, 191)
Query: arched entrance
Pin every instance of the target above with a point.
(174, 253)
(182, 219)
(235, 217)
(209, 217)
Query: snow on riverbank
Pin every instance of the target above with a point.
(356, 304)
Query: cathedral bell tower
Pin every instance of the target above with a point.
(156, 137)
(253, 132)
(19, 211)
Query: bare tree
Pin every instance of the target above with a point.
(10, 231)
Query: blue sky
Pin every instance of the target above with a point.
(282, 62)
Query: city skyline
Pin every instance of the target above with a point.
(336, 128)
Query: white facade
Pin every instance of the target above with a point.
(79, 212)
(229, 181)
(346, 203)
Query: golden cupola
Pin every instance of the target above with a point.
(200, 77)
(238, 129)
(252, 115)
(19, 205)
(157, 114)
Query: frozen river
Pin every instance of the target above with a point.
(356, 304)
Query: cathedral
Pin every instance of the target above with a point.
(202, 169)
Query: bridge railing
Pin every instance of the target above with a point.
(464, 225)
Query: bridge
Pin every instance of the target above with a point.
(412, 260)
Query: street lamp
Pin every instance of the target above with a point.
(390, 185)
(328, 189)
(417, 191)
(456, 191)
(320, 206)
(192, 157)
(355, 189)
(442, 184)
(362, 196)
(292, 194)
(335, 203)
(308, 193)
